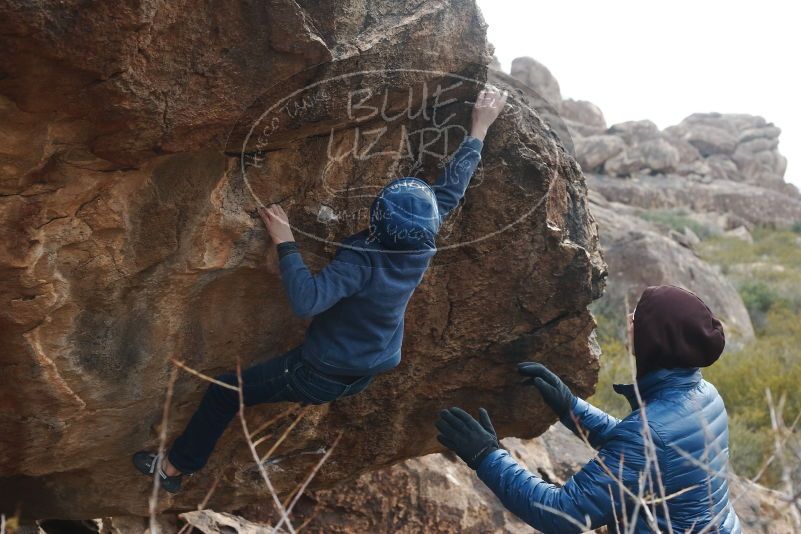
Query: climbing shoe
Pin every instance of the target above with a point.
(146, 462)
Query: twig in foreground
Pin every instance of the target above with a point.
(200, 375)
(284, 435)
(255, 454)
(154, 496)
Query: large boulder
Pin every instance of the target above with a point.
(651, 156)
(593, 151)
(130, 237)
(537, 76)
(634, 132)
(582, 118)
(583, 112)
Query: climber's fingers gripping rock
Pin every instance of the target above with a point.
(277, 223)
(488, 106)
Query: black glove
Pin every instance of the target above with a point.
(462, 434)
(554, 392)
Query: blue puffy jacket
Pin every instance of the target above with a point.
(688, 434)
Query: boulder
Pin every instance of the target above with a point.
(635, 131)
(652, 156)
(537, 76)
(733, 123)
(593, 151)
(625, 163)
(686, 238)
(766, 132)
(583, 112)
(741, 233)
(687, 152)
(710, 140)
(723, 168)
(130, 237)
(657, 155)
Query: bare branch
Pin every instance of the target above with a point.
(255, 454)
(200, 375)
(165, 415)
(300, 489)
(285, 434)
(274, 420)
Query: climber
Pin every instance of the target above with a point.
(670, 478)
(357, 303)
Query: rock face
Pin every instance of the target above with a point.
(129, 239)
(537, 76)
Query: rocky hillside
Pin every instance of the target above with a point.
(127, 200)
(653, 191)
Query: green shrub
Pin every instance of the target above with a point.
(758, 298)
(748, 450)
(797, 227)
(772, 362)
(615, 368)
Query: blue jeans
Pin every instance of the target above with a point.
(285, 378)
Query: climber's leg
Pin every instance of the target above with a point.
(264, 382)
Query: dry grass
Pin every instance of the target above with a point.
(284, 509)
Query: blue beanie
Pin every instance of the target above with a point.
(404, 215)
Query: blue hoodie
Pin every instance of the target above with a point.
(359, 299)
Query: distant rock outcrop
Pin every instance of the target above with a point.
(724, 170)
(710, 162)
(537, 76)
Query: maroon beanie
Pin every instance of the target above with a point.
(674, 328)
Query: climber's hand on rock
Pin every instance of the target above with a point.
(554, 392)
(470, 440)
(277, 223)
(488, 106)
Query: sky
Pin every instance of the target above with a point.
(664, 60)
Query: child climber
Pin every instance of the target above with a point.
(357, 303)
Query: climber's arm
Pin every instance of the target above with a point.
(453, 181)
(311, 294)
(590, 498)
(451, 185)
